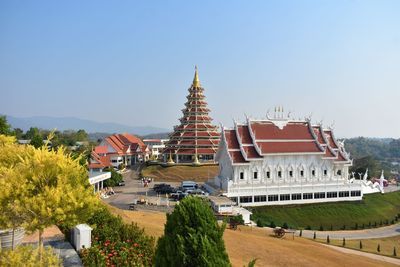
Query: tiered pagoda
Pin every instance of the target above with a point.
(195, 140)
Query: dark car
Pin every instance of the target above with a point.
(166, 190)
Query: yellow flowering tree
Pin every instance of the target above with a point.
(44, 187)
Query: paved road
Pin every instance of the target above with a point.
(134, 189)
(366, 254)
(387, 231)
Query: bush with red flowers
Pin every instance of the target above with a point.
(115, 243)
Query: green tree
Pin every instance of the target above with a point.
(116, 178)
(37, 141)
(18, 133)
(81, 135)
(5, 128)
(33, 131)
(192, 237)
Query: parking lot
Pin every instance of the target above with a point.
(145, 196)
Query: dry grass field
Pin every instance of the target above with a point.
(248, 243)
(180, 173)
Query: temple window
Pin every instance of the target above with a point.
(302, 173)
(339, 172)
(291, 173)
(255, 174)
(325, 172)
(313, 172)
(279, 174)
(241, 175)
(268, 174)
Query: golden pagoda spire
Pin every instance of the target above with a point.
(196, 81)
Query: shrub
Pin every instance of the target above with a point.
(259, 223)
(115, 242)
(331, 228)
(114, 180)
(192, 237)
(272, 225)
(285, 226)
(28, 256)
(308, 227)
(356, 226)
(321, 228)
(344, 227)
(237, 219)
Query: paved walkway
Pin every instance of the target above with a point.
(365, 254)
(53, 237)
(387, 231)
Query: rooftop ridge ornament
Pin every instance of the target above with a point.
(196, 81)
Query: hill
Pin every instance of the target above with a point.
(374, 208)
(71, 123)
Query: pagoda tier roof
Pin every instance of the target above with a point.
(192, 134)
(195, 132)
(258, 138)
(199, 110)
(195, 103)
(198, 126)
(199, 142)
(190, 151)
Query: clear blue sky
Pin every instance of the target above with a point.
(131, 62)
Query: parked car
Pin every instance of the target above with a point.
(122, 183)
(165, 189)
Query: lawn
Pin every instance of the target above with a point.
(386, 245)
(249, 243)
(373, 211)
(180, 173)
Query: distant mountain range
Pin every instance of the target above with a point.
(71, 123)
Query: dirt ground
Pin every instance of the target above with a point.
(248, 243)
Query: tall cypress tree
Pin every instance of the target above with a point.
(192, 237)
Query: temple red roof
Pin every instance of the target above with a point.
(283, 137)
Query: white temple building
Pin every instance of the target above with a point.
(281, 161)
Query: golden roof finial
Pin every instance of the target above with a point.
(196, 81)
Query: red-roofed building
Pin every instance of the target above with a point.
(195, 140)
(280, 161)
(118, 149)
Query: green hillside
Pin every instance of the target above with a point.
(374, 208)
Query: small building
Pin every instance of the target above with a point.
(221, 205)
(156, 147)
(118, 149)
